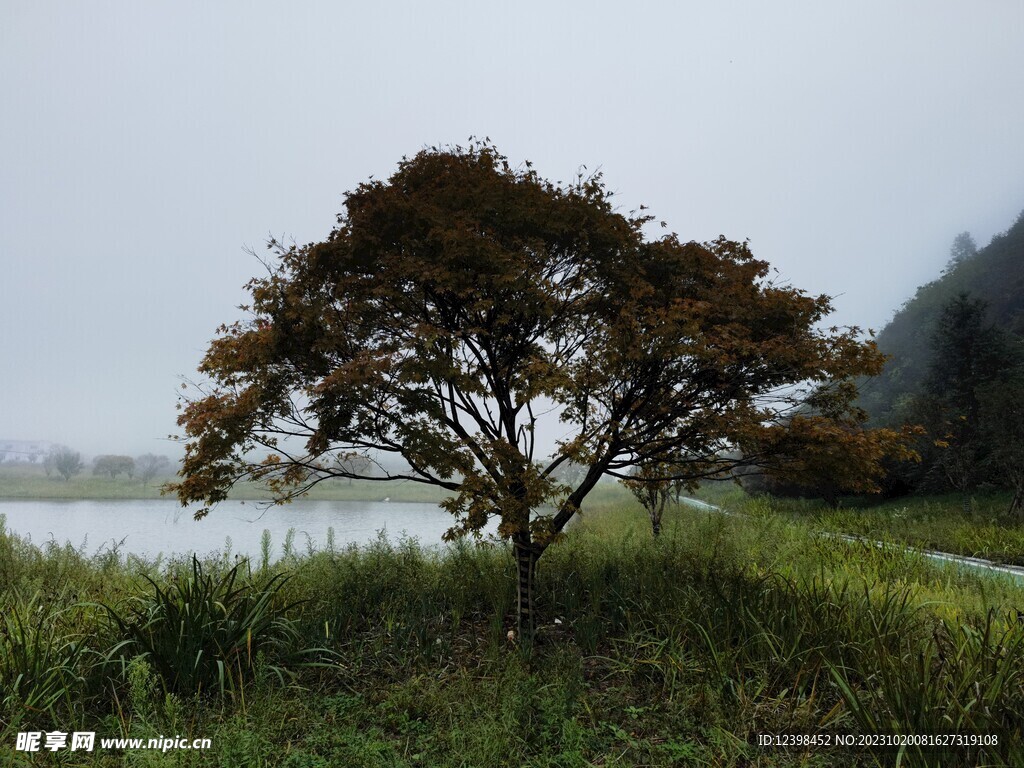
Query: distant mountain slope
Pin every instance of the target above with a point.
(995, 273)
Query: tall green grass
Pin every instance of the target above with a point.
(961, 679)
(669, 652)
(40, 660)
(925, 522)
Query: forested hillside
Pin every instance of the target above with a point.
(955, 377)
(993, 274)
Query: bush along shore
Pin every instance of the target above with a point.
(689, 649)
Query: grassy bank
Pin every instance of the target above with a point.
(21, 482)
(927, 522)
(671, 652)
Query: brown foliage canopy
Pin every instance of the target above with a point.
(457, 301)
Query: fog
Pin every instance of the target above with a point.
(147, 146)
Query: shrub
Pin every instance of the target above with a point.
(202, 632)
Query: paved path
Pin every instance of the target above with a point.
(971, 562)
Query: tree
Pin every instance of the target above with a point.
(649, 486)
(824, 456)
(113, 466)
(825, 449)
(963, 248)
(149, 465)
(456, 302)
(966, 351)
(65, 462)
(568, 472)
(354, 464)
(1001, 406)
(967, 354)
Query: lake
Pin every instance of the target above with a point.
(160, 526)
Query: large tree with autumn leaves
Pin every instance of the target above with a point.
(460, 300)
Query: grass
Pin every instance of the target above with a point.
(926, 522)
(672, 652)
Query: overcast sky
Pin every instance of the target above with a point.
(147, 145)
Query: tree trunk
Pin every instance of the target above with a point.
(655, 526)
(1017, 504)
(526, 564)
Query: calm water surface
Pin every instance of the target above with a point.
(161, 526)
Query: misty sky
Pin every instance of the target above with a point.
(147, 145)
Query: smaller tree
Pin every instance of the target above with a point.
(353, 464)
(568, 472)
(66, 462)
(149, 465)
(653, 487)
(113, 466)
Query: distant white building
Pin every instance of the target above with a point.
(24, 451)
